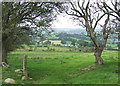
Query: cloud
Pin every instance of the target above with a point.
(64, 21)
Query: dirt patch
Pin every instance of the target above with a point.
(87, 68)
(83, 69)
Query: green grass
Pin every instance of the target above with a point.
(109, 43)
(68, 42)
(57, 67)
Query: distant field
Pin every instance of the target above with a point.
(63, 67)
(111, 42)
(42, 48)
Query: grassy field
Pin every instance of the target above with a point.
(63, 67)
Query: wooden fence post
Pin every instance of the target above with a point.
(25, 66)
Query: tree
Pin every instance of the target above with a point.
(89, 16)
(84, 43)
(113, 10)
(81, 42)
(73, 42)
(63, 41)
(47, 42)
(22, 20)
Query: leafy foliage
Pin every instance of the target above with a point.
(63, 41)
(47, 42)
(22, 20)
(73, 42)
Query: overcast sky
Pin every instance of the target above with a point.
(64, 21)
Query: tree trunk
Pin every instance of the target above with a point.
(48, 48)
(4, 55)
(98, 59)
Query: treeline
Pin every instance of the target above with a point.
(68, 37)
(78, 39)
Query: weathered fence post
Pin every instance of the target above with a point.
(25, 66)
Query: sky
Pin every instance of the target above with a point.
(64, 21)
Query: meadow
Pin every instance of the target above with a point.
(62, 66)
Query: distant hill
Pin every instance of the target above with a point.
(69, 30)
(68, 34)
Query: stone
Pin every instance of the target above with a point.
(9, 81)
(23, 83)
(85, 69)
(23, 78)
(19, 75)
(30, 78)
(18, 70)
(5, 65)
(90, 66)
(93, 65)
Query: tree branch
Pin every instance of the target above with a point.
(98, 21)
(72, 14)
(81, 7)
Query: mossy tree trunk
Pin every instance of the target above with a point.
(98, 58)
(4, 55)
